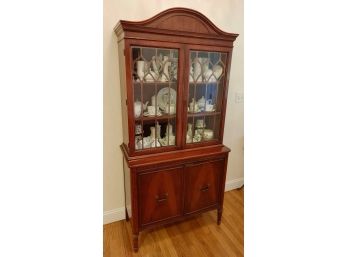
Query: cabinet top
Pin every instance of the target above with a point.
(174, 22)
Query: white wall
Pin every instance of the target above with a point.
(225, 14)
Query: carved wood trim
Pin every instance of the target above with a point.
(178, 21)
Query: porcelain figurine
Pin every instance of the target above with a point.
(201, 102)
(151, 76)
(155, 65)
(189, 133)
(193, 106)
(137, 108)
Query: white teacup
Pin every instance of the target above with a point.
(152, 110)
(193, 107)
(209, 107)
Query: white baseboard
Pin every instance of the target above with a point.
(114, 215)
(119, 213)
(234, 184)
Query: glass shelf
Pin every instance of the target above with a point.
(198, 114)
(152, 118)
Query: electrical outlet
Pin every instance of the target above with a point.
(239, 97)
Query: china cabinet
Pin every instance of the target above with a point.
(174, 72)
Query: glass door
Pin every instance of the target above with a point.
(207, 77)
(155, 87)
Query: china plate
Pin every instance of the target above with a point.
(163, 97)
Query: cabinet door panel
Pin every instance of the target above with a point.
(207, 79)
(160, 195)
(155, 87)
(202, 185)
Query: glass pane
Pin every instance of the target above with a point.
(168, 138)
(206, 81)
(155, 87)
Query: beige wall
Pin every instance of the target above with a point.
(228, 16)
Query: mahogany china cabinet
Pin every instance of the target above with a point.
(174, 72)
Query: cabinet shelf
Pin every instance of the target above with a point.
(153, 118)
(154, 83)
(204, 83)
(198, 114)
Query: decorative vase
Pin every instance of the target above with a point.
(189, 133)
(158, 126)
(141, 69)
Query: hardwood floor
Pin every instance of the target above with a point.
(199, 236)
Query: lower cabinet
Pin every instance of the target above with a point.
(168, 193)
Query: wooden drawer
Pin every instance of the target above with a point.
(160, 195)
(202, 184)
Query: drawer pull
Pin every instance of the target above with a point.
(205, 188)
(162, 199)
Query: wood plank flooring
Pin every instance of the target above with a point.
(199, 236)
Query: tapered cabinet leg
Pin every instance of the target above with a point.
(135, 242)
(219, 216)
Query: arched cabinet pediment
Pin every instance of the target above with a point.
(181, 21)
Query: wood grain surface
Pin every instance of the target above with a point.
(198, 236)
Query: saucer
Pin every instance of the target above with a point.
(146, 114)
